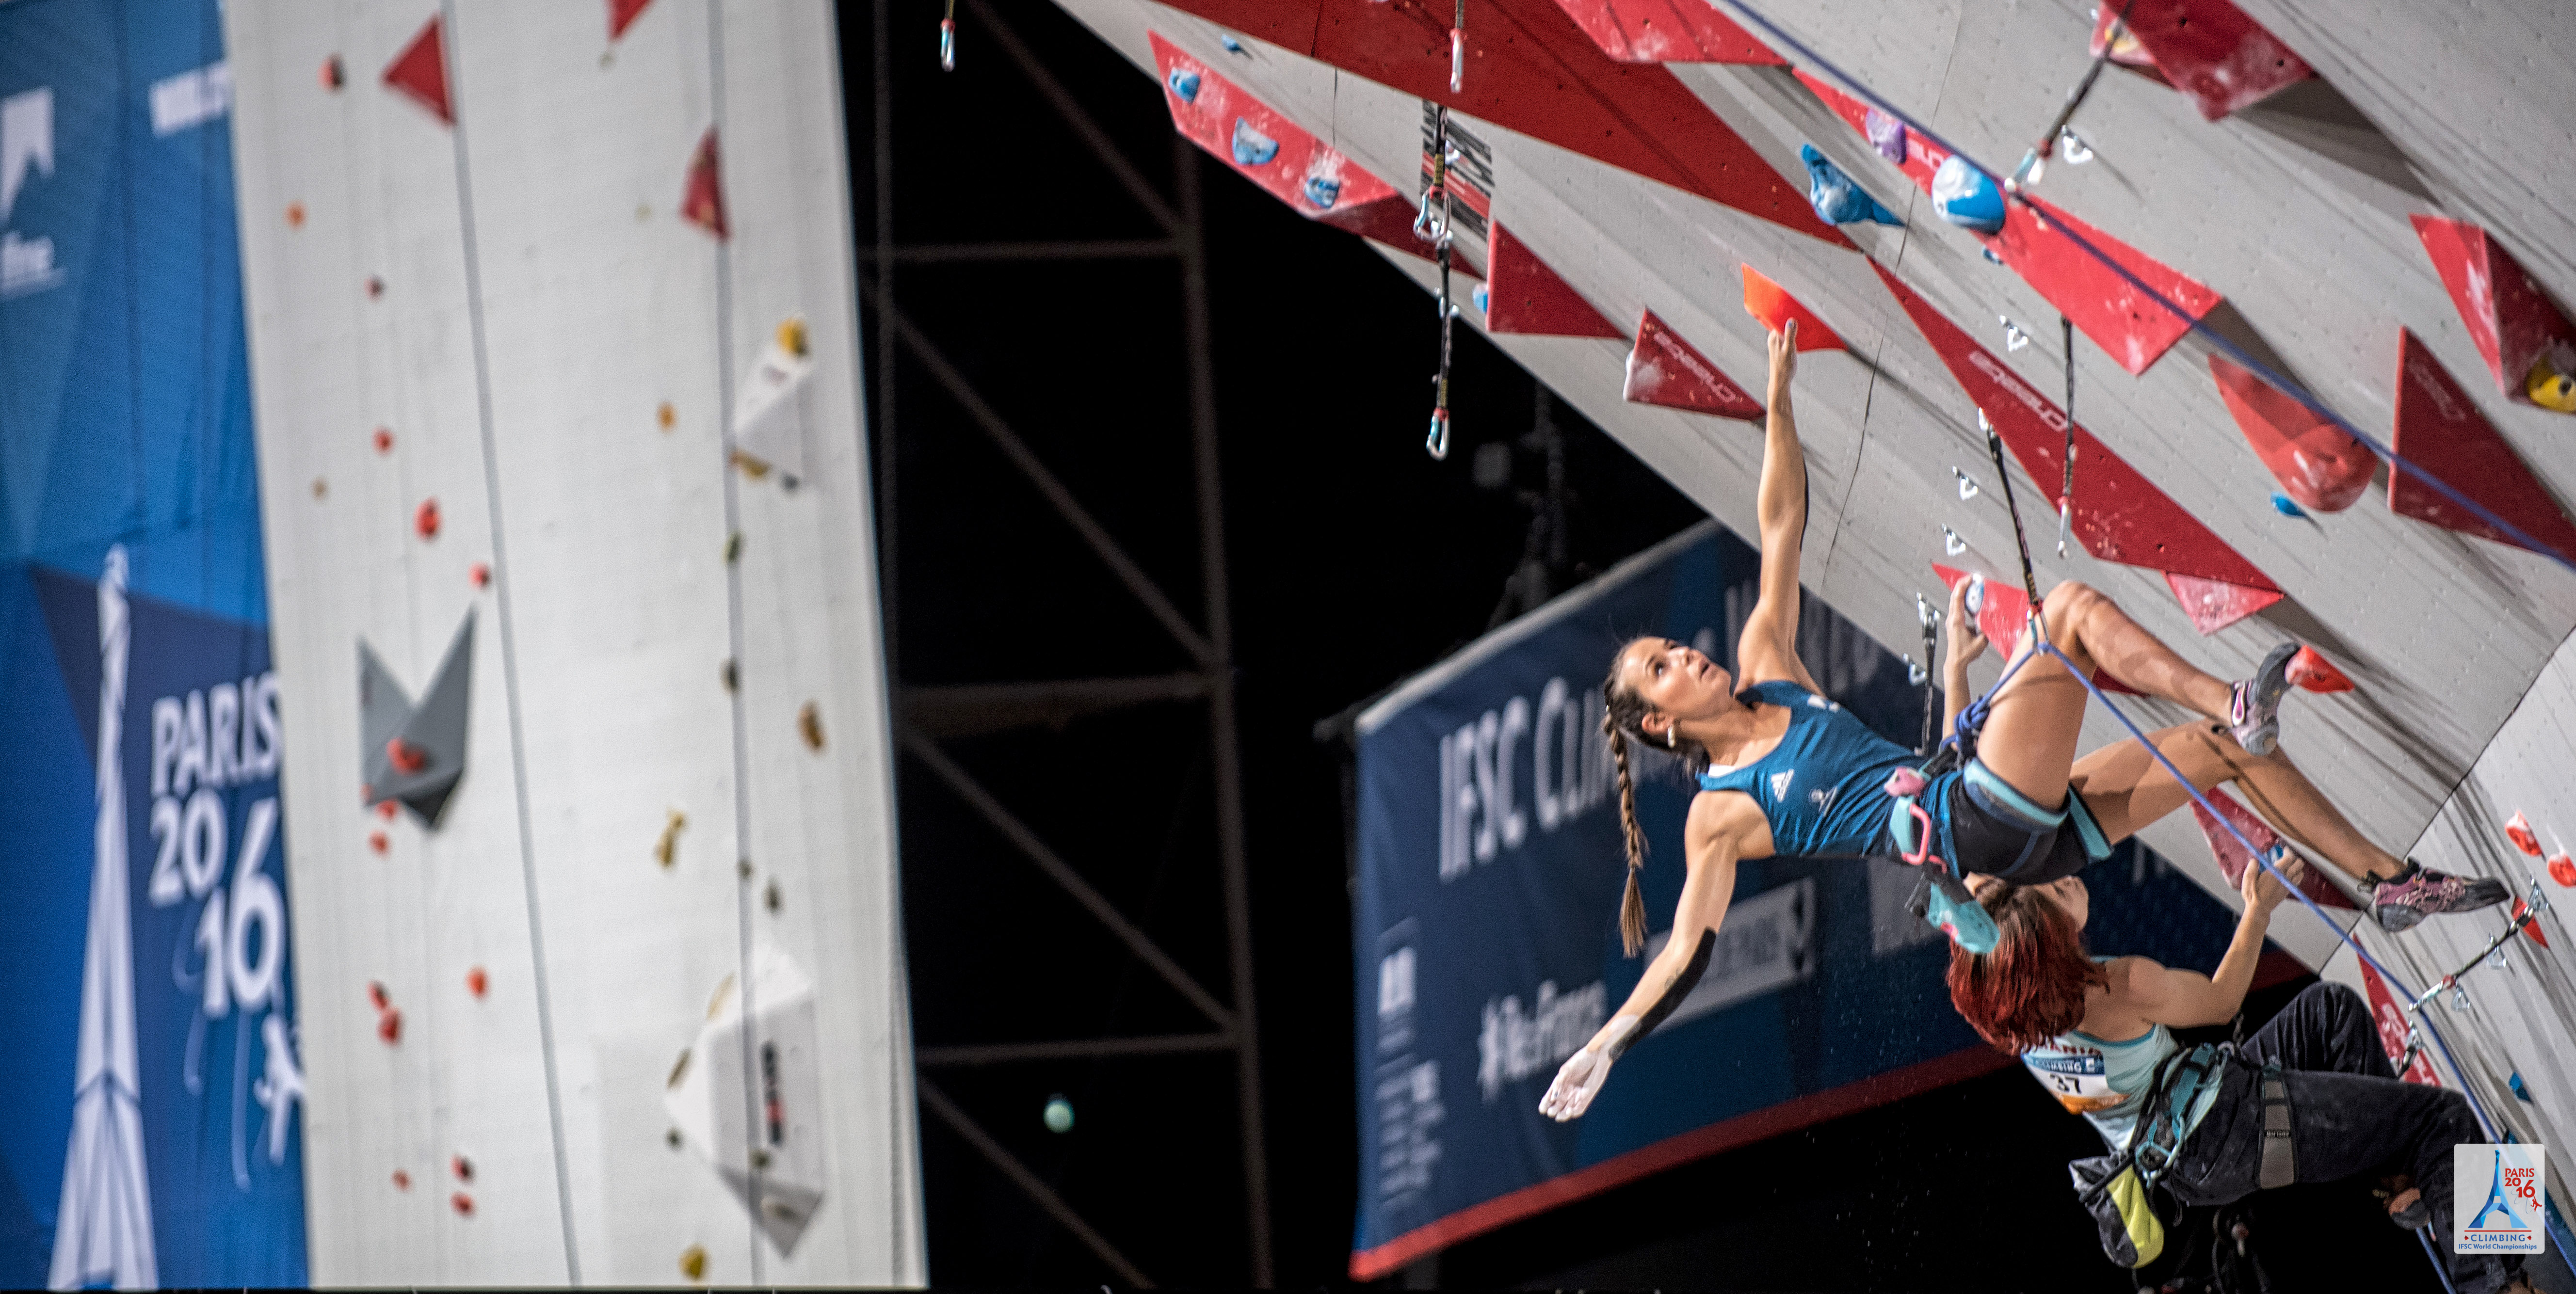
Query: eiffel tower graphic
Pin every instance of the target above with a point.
(103, 1233)
(2496, 1205)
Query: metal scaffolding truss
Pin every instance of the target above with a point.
(928, 716)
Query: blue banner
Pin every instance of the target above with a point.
(154, 1134)
(1486, 940)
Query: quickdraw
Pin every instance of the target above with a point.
(2066, 488)
(1432, 225)
(2035, 162)
(948, 39)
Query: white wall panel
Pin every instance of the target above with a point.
(542, 302)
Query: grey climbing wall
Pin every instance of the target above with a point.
(2296, 210)
(504, 289)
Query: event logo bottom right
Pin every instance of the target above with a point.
(2499, 1196)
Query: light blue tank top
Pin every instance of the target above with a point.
(2107, 1082)
(1823, 788)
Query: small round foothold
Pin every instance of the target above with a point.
(384, 441)
(732, 676)
(320, 487)
(480, 574)
(476, 981)
(1059, 1114)
(462, 1203)
(771, 898)
(375, 287)
(671, 1138)
(462, 1167)
(389, 1026)
(402, 1180)
(742, 868)
(693, 1262)
(666, 415)
(385, 810)
(733, 547)
(376, 994)
(425, 519)
(376, 840)
(809, 723)
(334, 75)
(295, 215)
(643, 212)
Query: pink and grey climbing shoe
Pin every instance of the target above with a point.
(2419, 892)
(2254, 706)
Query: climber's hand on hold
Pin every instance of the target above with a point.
(1966, 643)
(1784, 358)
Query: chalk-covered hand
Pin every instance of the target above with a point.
(1581, 1077)
(1966, 643)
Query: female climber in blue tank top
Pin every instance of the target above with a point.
(1783, 770)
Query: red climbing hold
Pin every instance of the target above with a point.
(2233, 860)
(389, 1025)
(462, 1203)
(402, 1180)
(2518, 830)
(480, 574)
(2529, 346)
(425, 519)
(621, 13)
(2311, 670)
(385, 810)
(2441, 431)
(2207, 49)
(376, 995)
(2119, 515)
(2315, 462)
(2133, 328)
(475, 982)
(421, 70)
(407, 757)
(2562, 869)
(384, 441)
(462, 1167)
(376, 839)
(334, 75)
(1667, 31)
(703, 203)
(1772, 304)
(2003, 611)
(2530, 930)
(1524, 296)
(1663, 369)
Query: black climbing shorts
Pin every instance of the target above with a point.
(1987, 826)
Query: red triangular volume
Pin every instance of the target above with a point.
(1772, 304)
(1524, 296)
(2119, 515)
(2210, 50)
(2442, 432)
(1664, 370)
(1667, 31)
(704, 205)
(2511, 319)
(2129, 326)
(2233, 860)
(622, 14)
(421, 70)
(2002, 613)
(2315, 462)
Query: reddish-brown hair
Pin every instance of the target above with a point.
(2031, 987)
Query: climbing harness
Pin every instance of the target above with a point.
(2066, 489)
(1458, 49)
(1432, 225)
(2034, 162)
(948, 39)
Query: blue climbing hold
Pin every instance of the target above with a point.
(1321, 189)
(2519, 1091)
(2282, 503)
(1232, 46)
(1966, 198)
(1483, 299)
(1251, 147)
(1838, 199)
(1184, 83)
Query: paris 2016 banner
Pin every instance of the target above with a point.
(153, 1134)
(1486, 935)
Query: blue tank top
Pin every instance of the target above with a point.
(1823, 788)
(2107, 1082)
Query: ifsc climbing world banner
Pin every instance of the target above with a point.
(1486, 932)
(154, 1131)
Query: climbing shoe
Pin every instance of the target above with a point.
(1943, 902)
(2418, 892)
(2254, 706)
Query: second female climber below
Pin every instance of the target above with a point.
(1784, 771)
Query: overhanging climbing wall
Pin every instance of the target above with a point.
(2286, 223)
(601, 954)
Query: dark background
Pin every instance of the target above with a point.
(1355, 561)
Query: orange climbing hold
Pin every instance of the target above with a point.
(2562, 869)
(1772, 304)
(2518, 830)
(703, 203)
(420, 71)
(476, 982)
(1665, 370)
(2441, 431)
(295, 215)
(2311, 670)
(425, 519)
(2315, 462)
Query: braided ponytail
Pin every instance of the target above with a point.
(1632, 903)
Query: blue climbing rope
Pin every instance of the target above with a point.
(2234, 352)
